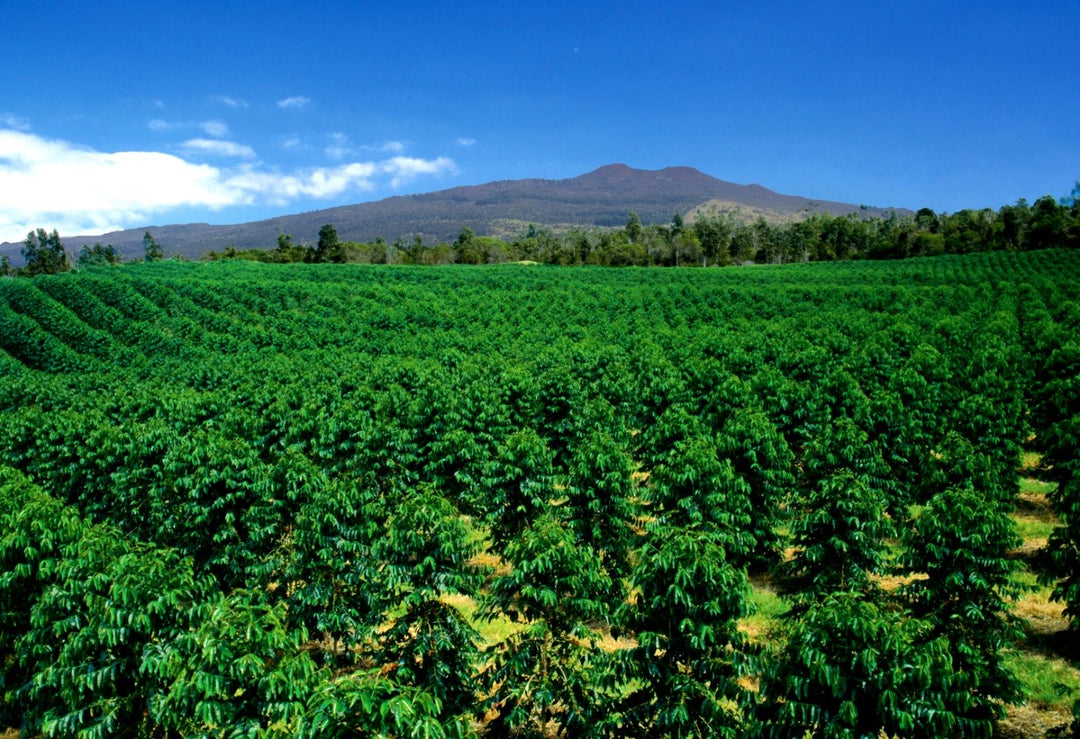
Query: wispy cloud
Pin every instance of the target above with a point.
(298, 101)
(210, 128)
(390, 147)
(218, 129)
(218, 147)
(340, 146)
(466, 142)
(231, 101)
(57, 184)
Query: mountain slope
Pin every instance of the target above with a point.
(601, 198)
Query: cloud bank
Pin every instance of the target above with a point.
(77, 190)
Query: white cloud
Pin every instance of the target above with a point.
(217, 147)
(157, 124)
(76, 190)
(278, 189)
(405, 169)
(466, 142)
(298, 101)
(54, 184)
(218, 129)
(10, 120)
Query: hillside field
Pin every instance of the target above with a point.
(320, 500)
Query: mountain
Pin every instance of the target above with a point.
(601, 198)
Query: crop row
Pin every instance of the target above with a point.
(347, 460)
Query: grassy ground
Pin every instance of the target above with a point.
(1046, 661)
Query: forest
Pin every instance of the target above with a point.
(836, 499)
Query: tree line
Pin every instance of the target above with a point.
(45, 254)
(717, 240)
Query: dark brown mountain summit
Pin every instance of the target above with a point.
(601, 198)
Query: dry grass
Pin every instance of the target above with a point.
(610, 644)
(1034, 505)
(1035, 519)
(1030, 463)
(1032, 722)
(1042, 660)
(491, 563)
(1044, 618)
(892, 583)
(493, 631)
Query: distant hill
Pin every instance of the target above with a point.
(601, 198)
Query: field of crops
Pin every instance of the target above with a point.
(242, 499)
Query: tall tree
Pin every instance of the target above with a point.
(44, 253)
(329, 247)
(633, 228)
(152, 250)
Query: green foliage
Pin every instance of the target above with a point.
(98, 256)
(152, 250)
(240, 670)
(44, 254)
(599, 489)
(761, 457)
(329, 248)
(1057, 410)
(321, 456)
(520, 485)
(289, 252)
(427, 550)
(840, 536)
(366, 703)
(961, 543)
(328, 572)
(694, 487)
(681, 677)
(840, 539)
(545, 673)
(1064, 546)
(852, 668)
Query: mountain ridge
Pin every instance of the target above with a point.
(601, 198)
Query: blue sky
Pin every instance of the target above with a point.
(118, 114)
